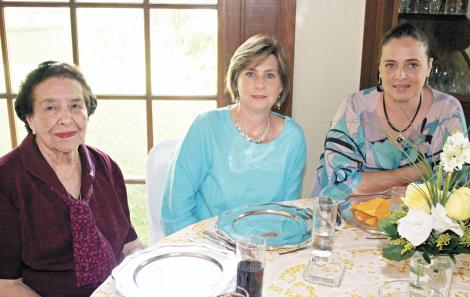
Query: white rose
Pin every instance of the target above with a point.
(415, 226)
(442, 222)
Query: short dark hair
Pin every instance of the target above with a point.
(406, 30)
(257, 47)
(45, 70)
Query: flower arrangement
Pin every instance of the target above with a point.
(435, 217)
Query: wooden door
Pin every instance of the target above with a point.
(241, 19)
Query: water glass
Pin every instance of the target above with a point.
(396, 195)
(322, 268)
(325, 210)
(250, 252)
(403, 288)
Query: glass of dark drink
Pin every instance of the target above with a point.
(251, 250)
(237, 292)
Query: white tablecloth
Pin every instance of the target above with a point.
(366, 269)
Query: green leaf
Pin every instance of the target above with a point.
(392, 252)
(389, 228)
(452, 257)
(426, 257)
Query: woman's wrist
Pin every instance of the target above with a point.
(410, 173)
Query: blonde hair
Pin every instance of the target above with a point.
(255, 48)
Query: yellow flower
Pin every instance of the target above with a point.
(417, 196)
(458, 205)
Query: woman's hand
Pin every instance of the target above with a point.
(131, 247)
(381, 181)
(15, 288)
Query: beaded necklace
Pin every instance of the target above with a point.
(259, 139)
(400, 138)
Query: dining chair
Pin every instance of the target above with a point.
(157, 165)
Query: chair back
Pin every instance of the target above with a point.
(157, 166)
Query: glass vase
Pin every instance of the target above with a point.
(437, 274)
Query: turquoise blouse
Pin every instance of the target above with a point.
(216, 169)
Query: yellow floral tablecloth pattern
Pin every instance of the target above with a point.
(366, 270)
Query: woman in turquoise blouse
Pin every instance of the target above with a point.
(240, 154)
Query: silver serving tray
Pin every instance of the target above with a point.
(175, 270)
(348, 216)
(299, 218)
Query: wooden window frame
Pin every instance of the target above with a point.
(237, 20)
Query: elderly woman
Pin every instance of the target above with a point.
(64, 217)
(243, 153)
(376, 133)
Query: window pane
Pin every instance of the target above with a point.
(5, 143)
(112, 53)
(36, 35)
(165, 112)
(137, 199)
(185, 1)
(124, 140)
(184, 52)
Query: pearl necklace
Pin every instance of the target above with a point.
(259, 139)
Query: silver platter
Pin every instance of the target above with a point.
(283, 226)
(175, 270)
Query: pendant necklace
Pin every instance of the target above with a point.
(400, 138)
(257, 140)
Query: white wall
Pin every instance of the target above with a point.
(328, 51)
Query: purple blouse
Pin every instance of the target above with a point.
(35, 222)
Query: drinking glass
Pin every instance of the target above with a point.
(250, 252)
(413, 6)
(237, 292)
(322, 268)
(404, 4)
(434, 6)
(403, 288)
(460, 80)
(452, 6)
(396, 195)
(423, 6)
